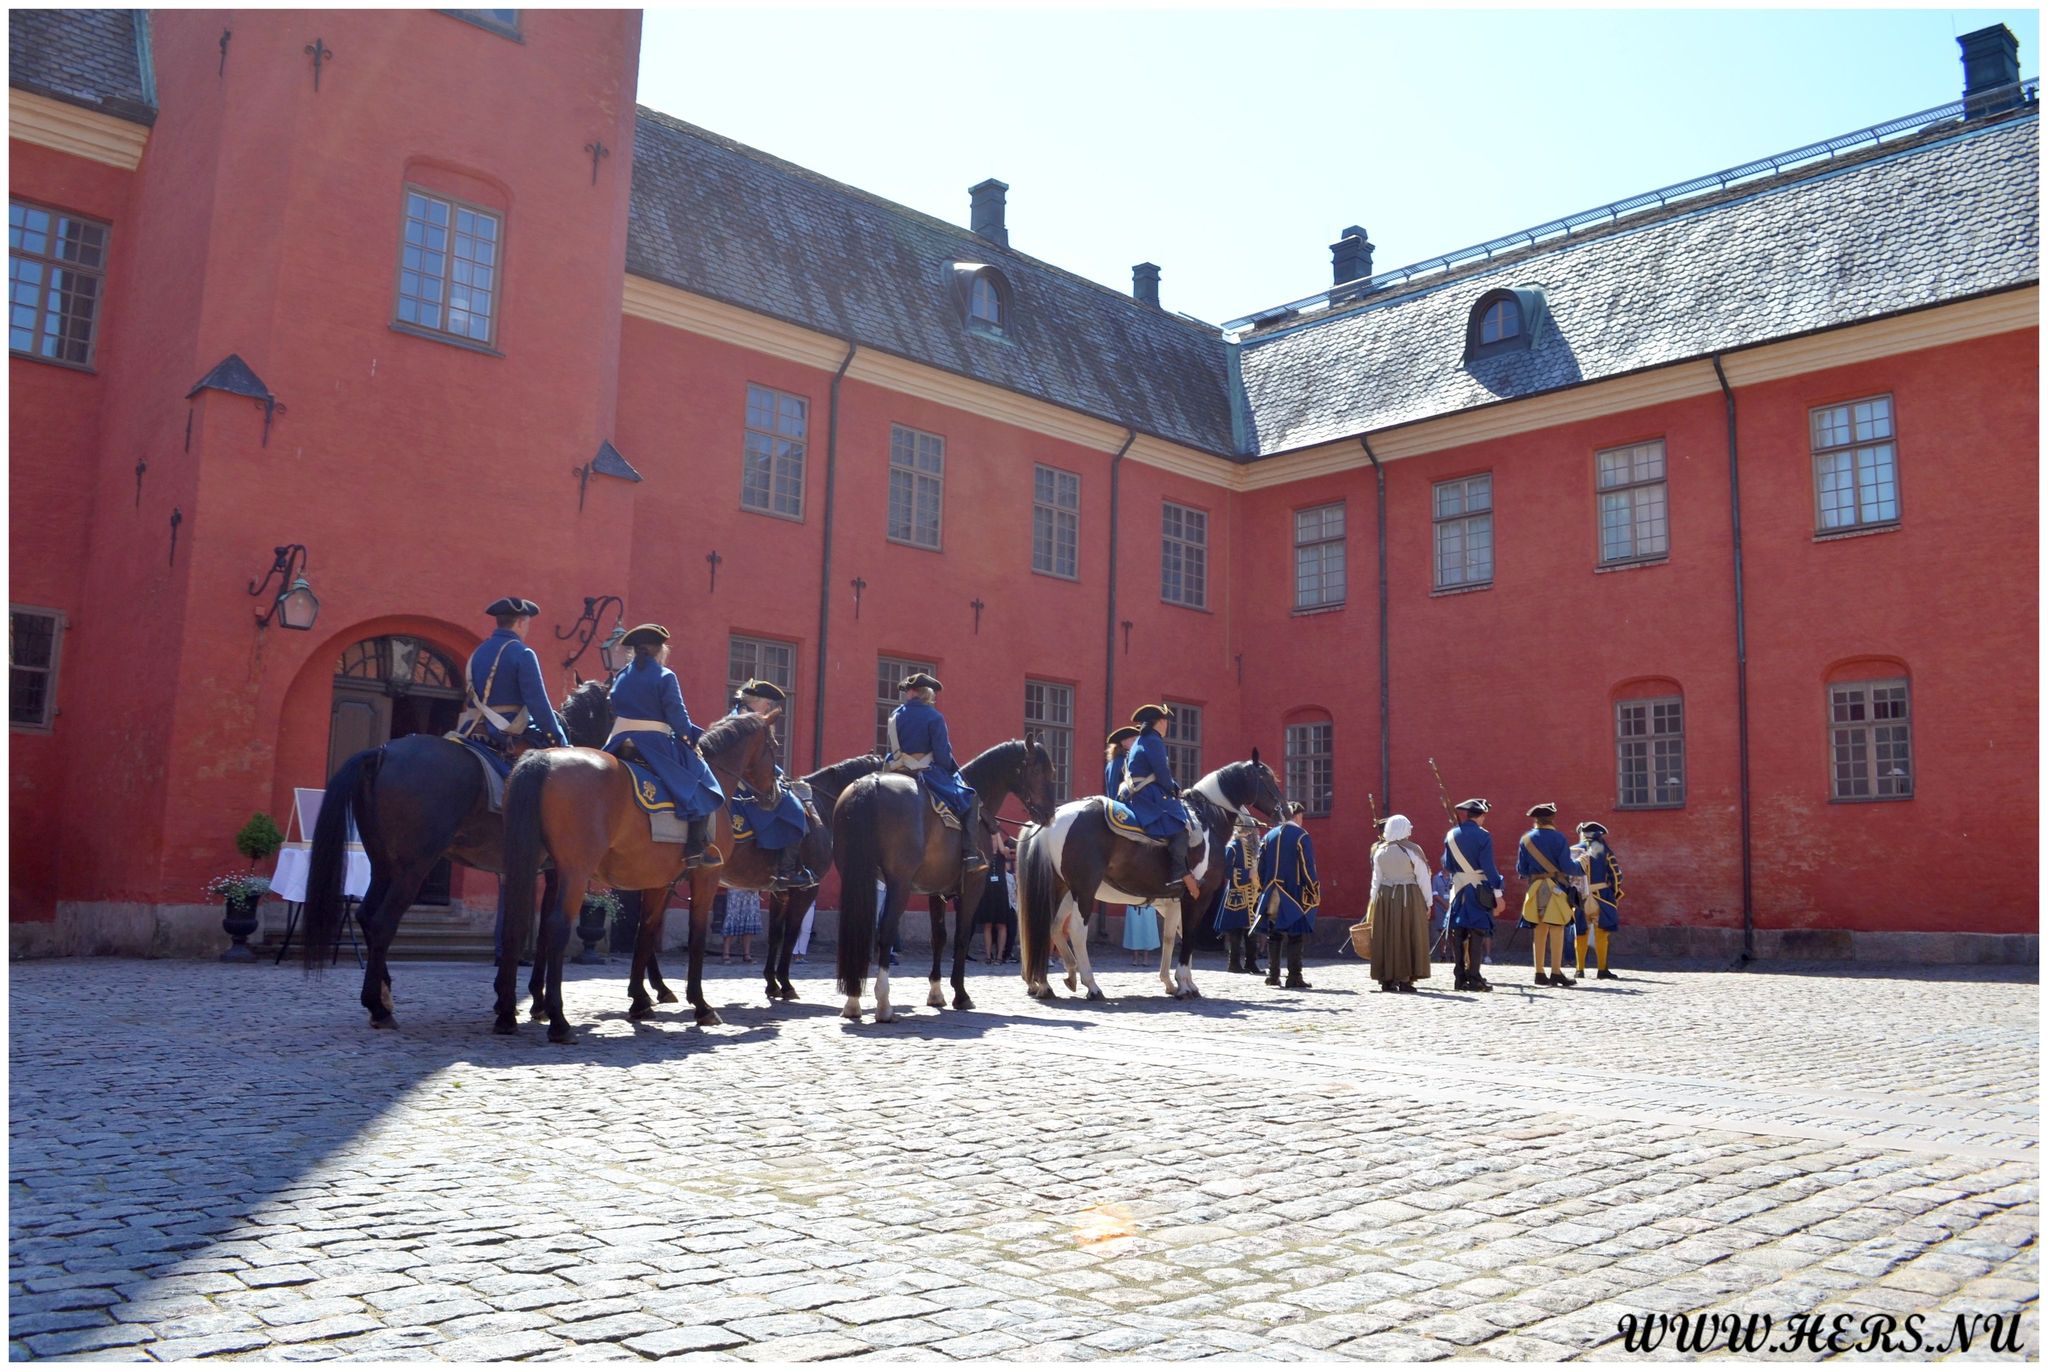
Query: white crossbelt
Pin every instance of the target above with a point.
(899, 760)
(478, 710)
(639, 726)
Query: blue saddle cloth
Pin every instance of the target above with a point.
(497, 760)
(1123, 821)
(652, 793)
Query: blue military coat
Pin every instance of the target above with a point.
(1603, 880)
(1240, 888)
(1558, 849)
(1288, 891)
(1113, 775)
(1156, 806)
(1477, 845)
(775, 828)
(648, 692)
(919, 728)
(515, 682)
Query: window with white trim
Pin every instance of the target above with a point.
(448, 267)
(1055, 522)
(56, 271)
(1463, 514)
(917, 475)
(772, 480)
(1319, 556)
(1311, 765)
(890, 674)
(1184, 742)
(1049, 708)
(1855, 465)
(1649, 753)
(1633, 522)
(765, 659)
(1184, 556)
(33, 638)
(1870, 733)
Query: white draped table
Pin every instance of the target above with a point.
(288, 882)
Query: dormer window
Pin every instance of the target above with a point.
(1503, 321)
(982, 296)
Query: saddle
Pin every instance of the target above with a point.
(496, 765)
(1123, 822)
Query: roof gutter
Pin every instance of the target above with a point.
(1741, 671)
(1109, 636)
(825, 573)
(1386, 687)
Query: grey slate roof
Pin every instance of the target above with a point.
(94, 58)
(719, 219)
(1935, 221)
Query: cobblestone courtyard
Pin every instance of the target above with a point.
(226, 1161)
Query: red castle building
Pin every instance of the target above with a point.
(1709, 514)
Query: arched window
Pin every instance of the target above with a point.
(402, 666)
(1501, 320)
(987, 302)
(982, 295)
(1504, 320)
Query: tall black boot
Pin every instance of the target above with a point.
(1251, 954)
(972, 858)
(1272, 959)
(697, 849)
(1177, 857)
(790, 873)
(1294, 977)
(1234, 940)
(1461, 979)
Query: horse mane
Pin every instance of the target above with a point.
(837, 776)
(587, 714)
(729, 732)
(1001, 753)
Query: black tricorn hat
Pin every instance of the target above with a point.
(1145, 714)
(1127, 731)
(1543, 811)
(647, 635)
(512, 604)
(1476, 807)
(1597, 830)
(764, 690)
(922, 680)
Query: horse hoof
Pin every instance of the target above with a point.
(935, 1000)
(383, 1021)
(888, 1017)
(537, 1014)
(1072, 982)
(666, 997)
(788, 991)
(707, 1017)
(850, 1015)
(506, 1027)
(639, 1012)
(1095, 993)
(963, 1001)
(563, 1034)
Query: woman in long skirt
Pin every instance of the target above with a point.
(1141, 932)
(1400, 909)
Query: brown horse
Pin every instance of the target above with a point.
(578, 804)
(884, 830)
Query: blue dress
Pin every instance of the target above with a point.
(510, 671)
(648, 692)
(776, 828)
(918, 728)
(1477, 845)
(1156, 805)
(1288, 894)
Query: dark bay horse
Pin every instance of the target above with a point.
(884, 831)
(1062, 866)
(415, 800)
(577, 805)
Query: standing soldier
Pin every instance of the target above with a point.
(507, 705)
(1288, 893)
(1603, 883)
(1545, 859)
(779, 828)
(919, 747)
(648, 710)
(1154, 796)
(1240, 896)
(1475, 891)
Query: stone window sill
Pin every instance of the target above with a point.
(1460, 590)
(466, 344)
(1837, 535)
(1631, 566)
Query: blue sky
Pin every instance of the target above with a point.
(1231, 147)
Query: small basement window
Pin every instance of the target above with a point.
(1503, 321)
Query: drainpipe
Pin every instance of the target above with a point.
(1386, 691)
(1741, 670)
(825, 578)
(1109, 662)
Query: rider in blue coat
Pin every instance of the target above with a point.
(1119, 748)
(507, 700)
(648, 710)
(918, 746)
(1152, 793)
(779, 828)
(1471, 922)
(1289, 892)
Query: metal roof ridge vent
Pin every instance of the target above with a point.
(1145, 283)
(985, 203)
(1991, 71)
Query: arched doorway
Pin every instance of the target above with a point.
(387, 688)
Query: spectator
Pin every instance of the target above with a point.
(1141, 932)
(742, 921)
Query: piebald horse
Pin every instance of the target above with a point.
(885, 831)
(1064, 865)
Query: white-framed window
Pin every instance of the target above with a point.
(1184, 742)
(1463, 514)
(1184, 556)
(1311, 764)
(1855, 465)
(34, 638)
(917, 477)
(1319, 556)
(778, 425)
(56, 273)
(1649, 753)
(1049, 708)
(1634, 526)
(448, 267)
(766, 659)
(1870, 734)
(890, 674)
(1055, 522)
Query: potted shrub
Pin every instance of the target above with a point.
(240, 891)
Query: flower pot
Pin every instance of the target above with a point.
(590, 928)
(239, 924)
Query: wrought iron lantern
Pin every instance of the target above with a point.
(295, 606)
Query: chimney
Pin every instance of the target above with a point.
(1350, 261)
(1991, 71)
(1145, 283)
(987, 211)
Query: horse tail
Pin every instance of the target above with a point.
(352, 787)
(1037, 901)
(522, 848)
(857, 853)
